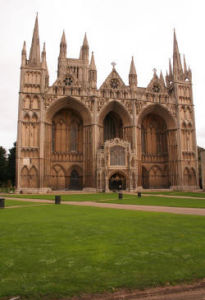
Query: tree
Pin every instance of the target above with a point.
(11, 170)
(3, 166)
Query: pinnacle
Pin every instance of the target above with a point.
(161, 77)
(92, 62)
(24, 47)
(63, 39)
(132, 67)
(85, 41)
(176, 56)
(34, 56)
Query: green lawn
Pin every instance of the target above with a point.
(189, 194)
(160, 201)
(68, 197)
(127, 199)
(9, 202)
(66, 250)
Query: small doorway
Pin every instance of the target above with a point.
(75, 181)
(117, 181)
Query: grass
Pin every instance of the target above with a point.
(67, 250)
(9, 202)
(189, 194)
(160, 201)
(127, 199)
(68, 197)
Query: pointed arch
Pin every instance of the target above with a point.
(58, 178)
(117, 180)
(75, 177)
(26, 118)
(192, 177)
(118, 108)
(33, 177)
(24, 177)
(156, 137)
(68, 103)
(186, 176)
(35, 103)
(160, 110)
(34, 117)
(155, 177)
(27, 102)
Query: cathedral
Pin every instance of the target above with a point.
(75, 136)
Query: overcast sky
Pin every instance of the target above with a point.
(116, 30)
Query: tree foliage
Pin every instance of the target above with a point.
(7, 166)
(3, 166)
(12, 164)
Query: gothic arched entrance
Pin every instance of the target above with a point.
(75, 181)
(117, 181)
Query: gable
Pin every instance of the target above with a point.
(113, 81)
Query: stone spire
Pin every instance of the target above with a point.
(23, 55)
(132, 67)
(34, 57)
(85, 49)
(43, 57)
(161, 78)
(132, 74)
(85, 41)
(92, 72)
(177, 66)
(63, 46)
(92, 63)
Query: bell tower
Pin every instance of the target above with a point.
(179, 81)
(34, 80)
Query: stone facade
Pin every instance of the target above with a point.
(72, 135)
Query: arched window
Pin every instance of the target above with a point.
(74, 137)
(117, 156)
(113, 126)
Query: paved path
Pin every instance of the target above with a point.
(174, 210)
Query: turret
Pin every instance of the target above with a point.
(132, 74)
(34, 57)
